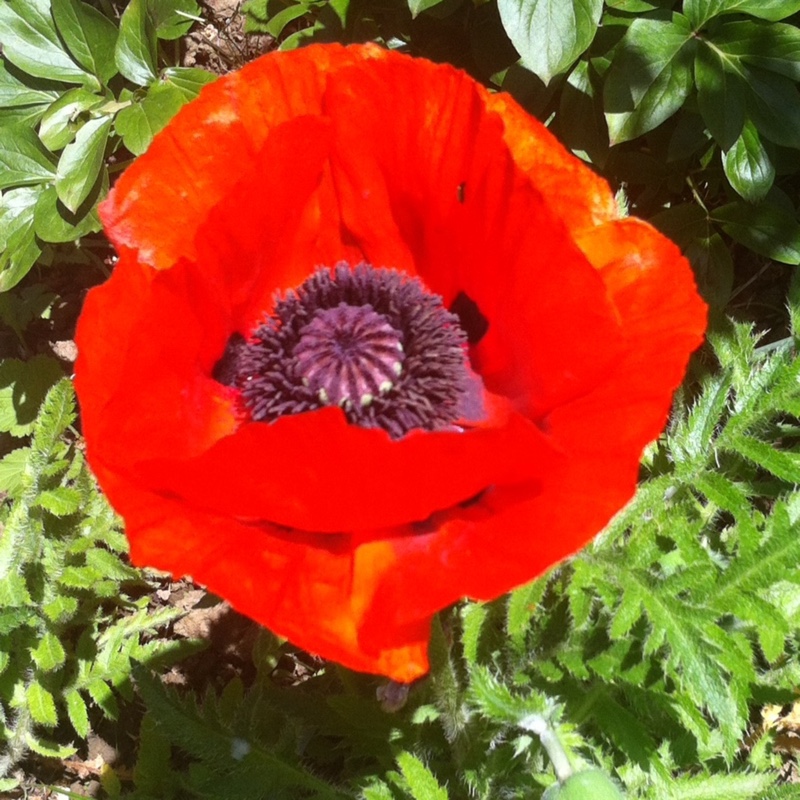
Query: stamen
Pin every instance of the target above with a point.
(372, 341)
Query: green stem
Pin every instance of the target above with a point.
(536, 723)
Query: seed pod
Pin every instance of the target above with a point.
(590, 784)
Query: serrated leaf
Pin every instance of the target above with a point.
(79, 578)
(421, 781)
(23, 160)
(49, 653)
(12, 469)
(766, 229)
(135, 52)
(61, 122)
(782, 464)
(80, 163)
(60, 501)
(701, 11)
(549, 35)
(30, 41)
(140, 122)
(102, 695)
(77, 712)
(110, 565)
(717, 787)
(747, 165)
(23, 387)
(41, 705)
(61, 609)
(48, 749)
(650, 76)
(56, 415)
(473, 617)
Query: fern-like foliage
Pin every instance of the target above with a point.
(70, 626)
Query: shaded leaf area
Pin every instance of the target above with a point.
(81, 88)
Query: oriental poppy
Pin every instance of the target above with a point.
(375, 342)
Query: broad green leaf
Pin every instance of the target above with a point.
(701, 11)
(61, 122)
(89, 35)
(773, 103)
(712, 264)
(23, 160)
(173, 18)
(771, 46)
(550, 34)
(77, 712)
(140, 122)
(720, 94)
(187, 80)
(49, 653)
(24, 90)
(581, 126)
(135, 52)
(41, 705)
(276, 23)
(18, 247)
(650, 76)
(54, 222)
(766, 229)
(748, 167)
(420, 779)
(80, 163)
(23, 386)
(30, 41)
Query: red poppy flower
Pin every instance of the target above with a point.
(375, 342)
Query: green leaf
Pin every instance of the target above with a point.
(24, 90)
(772, 46)
(60, 501)
(77, 713)
(12, 469)
(550, 34)
(80, 163)
(18, 247)
(30, 41)
(135, 53)
(748, 167)
(140, 122)
(745, 786)
(23, 160)
(89, 35)
(781, 464)
(49, 653)
(766, 229)
(61, 609)
(421, 781)
(187, 80)
(41, 705)
(773, 103)
(60, 122)
(54, 222)
(23, 387)
(282, 18)
(173, 18)
(720, 95)
(701, 11)
(650, 76)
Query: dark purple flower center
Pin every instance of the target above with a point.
(372, 341)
